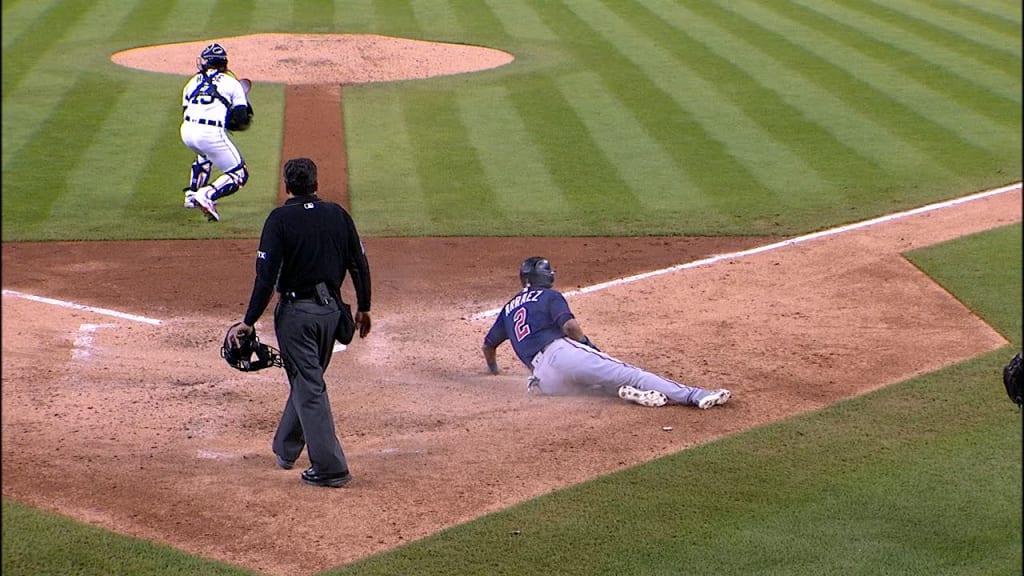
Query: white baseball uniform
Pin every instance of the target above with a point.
(206, 100)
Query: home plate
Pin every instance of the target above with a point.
(213, 455)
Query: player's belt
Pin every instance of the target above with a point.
(216, 123)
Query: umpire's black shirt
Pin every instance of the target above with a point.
(304, 242)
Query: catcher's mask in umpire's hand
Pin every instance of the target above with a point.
(241, 357)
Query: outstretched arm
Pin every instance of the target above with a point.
(491, 356)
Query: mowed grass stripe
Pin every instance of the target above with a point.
(910, 132)
(25, 55)
(390, 201)
(436, 20)
(926, 20)
(18, 18)
(581, 172)
(767, 163)
(47, 81)
(809, 153)
(917, 54)
(148, 20)
(453, 181)
(313, 16)
(41, 167)
(357, 17)
(640, 161)
(477, 23)
(712, 168)
(997, 11)
(937, 75)
(936, 118)
(170, 31)
(935, 102)
(798, 93)
(516, 171)
(241, 17)
(90, 182)
(983, 14)
(520, 21)
(398, 18)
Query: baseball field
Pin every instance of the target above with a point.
(814, 204)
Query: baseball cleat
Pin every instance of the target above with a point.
(209, 207)
(649, 398)
(714, 398)
(190, 201)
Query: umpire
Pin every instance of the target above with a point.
(306, 248)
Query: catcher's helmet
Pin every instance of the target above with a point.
(241, 357)
(536, 271)
(213, 55)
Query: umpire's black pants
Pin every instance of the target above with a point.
(305, 333)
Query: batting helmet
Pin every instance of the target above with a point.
(536, 271)
(212, 56)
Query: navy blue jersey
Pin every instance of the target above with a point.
(530, 321)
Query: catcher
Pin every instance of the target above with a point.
(213, 102)
(548, 339)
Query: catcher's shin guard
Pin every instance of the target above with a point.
(229, 182)
(200, 173)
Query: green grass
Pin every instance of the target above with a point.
(43, 544)
(639, 118)
(976, 256)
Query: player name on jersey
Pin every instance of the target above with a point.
(521, 299)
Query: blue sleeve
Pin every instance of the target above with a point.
(496, 335)
(558, 308)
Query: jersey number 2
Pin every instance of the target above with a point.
(522, 328)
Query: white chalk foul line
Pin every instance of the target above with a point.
(63, 304)
(776, 245)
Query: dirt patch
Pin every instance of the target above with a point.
(143, 429)
(296, 59)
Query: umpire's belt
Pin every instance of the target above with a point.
(216, 123)
(296, 295)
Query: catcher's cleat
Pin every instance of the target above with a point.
(190, 201)
(649, 398)
(714, 398)
(209, 207)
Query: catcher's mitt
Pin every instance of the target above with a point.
(241, 357)
(239, 118)
(1011, 378)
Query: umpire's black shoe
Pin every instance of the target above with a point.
(284, 462)
(336, 480)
